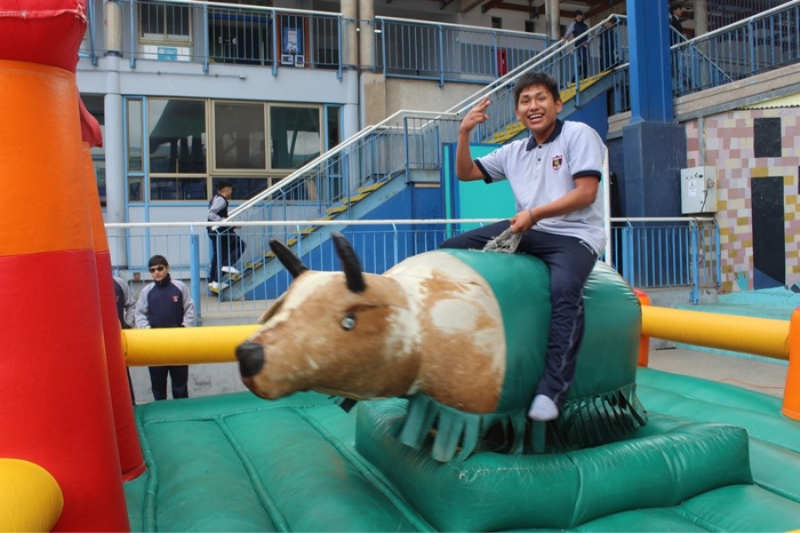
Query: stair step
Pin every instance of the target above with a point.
(337, 209)
(308, 231)
(358, 197)
(269, 254)
(252, 265)
(373, 187)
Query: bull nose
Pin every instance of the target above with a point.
(251, 358)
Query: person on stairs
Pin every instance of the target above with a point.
(226, 246)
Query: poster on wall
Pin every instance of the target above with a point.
(292, 42)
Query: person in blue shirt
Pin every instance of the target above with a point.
(165, 303)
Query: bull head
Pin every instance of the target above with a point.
(331, 332)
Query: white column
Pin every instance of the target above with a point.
(113, 139)
(553, 11)
(366, 14)
(349, 33)
(700, 17)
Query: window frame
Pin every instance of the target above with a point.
(165, 37)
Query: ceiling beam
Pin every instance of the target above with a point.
(468, 5)
(490, 4)
(603, 7)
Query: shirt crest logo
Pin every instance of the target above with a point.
(174, 299)
(557, 160)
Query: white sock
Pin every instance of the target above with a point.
(543, 409)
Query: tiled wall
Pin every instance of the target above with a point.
(730, 146)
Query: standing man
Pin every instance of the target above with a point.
(576, 30)
(126, 312)
(554, 175)
(675, 15)
(226, 247)
(165, 303)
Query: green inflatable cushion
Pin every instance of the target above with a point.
(660, 465)
(239, 463)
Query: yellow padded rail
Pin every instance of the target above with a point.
(184, 346)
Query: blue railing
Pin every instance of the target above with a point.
(449, 52)
(208, 32)
(758, 44)
(214, 33)
(667, 252)
(648, 253)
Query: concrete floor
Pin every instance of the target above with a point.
(758, 374)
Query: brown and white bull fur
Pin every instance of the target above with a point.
(431, 324)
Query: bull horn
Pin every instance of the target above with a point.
(350, 263)
(294, 265)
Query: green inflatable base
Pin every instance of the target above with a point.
(238, 463)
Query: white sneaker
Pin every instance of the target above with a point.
(213, 285)
(543, 409)
(229, 270)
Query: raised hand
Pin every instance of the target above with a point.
(477, 115)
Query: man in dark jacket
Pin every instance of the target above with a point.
(576, 31)
(165, 303)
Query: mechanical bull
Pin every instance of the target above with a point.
(460, 333)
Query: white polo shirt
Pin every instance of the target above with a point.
(542, 173)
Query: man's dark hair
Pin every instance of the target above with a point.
(578, 12)
(157, 260)
(536, 78)
(676, 5)
(221, 184)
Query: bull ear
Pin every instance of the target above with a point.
(287, 258)
(350, 263)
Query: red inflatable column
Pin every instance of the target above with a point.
(55, 405)
(130, 452)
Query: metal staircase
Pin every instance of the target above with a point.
(354, 178)
(351, 180)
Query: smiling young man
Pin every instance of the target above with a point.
(554, 175)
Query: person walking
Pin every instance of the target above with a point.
(554, 175)
(226, 246)
(576, 31)
(165, 303)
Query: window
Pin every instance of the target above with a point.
(134, 151)
(176, 138)
(172, 155)
(135, 136)
(164, 22)
(296, 136)
(239, 136)
(244, 188)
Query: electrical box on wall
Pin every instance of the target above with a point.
(698, 190)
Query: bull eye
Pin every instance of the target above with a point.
(349, 321)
